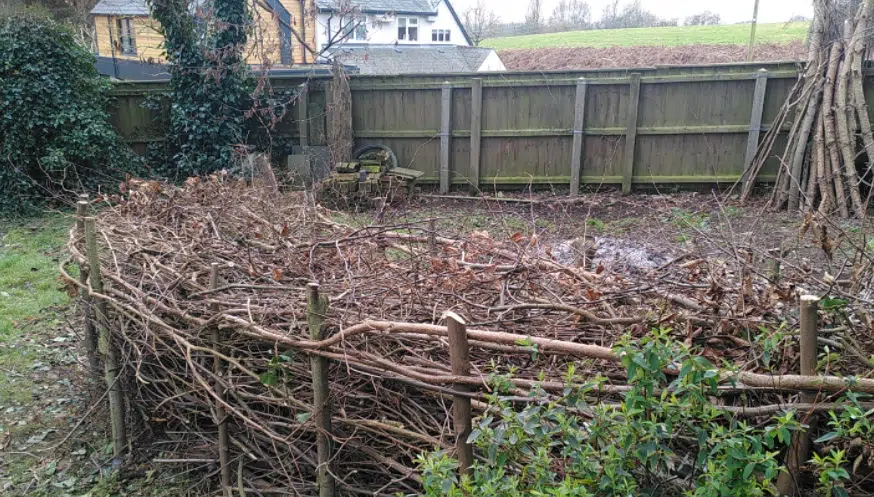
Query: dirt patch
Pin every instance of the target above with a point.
(548, 59)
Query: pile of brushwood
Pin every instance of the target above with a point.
(529, 321)
(826, 163)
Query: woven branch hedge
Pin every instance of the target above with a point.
(195, 354)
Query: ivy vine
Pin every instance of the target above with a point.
(55, 135)
(210, 82)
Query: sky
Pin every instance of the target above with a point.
(731, 10)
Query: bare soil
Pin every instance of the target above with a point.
(552, 59)
(666, 226)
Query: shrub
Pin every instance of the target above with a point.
(55, 136)
(664, 437)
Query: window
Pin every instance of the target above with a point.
(440, 34)
(408, 28)
(356, 30)
(127, 42)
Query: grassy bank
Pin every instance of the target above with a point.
(732, 34)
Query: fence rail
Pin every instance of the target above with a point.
(669, 125)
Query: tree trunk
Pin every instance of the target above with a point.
(845, 119)
(823, 173)
(834, 166)
(795, 177)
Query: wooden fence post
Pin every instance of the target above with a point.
(317, 307)
(90, 339)
(799, 449)
(579, 135)
(476, 119)
(112, 367)
(755, 124)
(631, 133)
(459, 357)
(220, 414)
(303, 103)
(445, 134)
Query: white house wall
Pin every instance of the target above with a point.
(444, 21)
(492, 63)
(382, 29)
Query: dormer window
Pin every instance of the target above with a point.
(440, 34)
(127, 41)
(408, 29)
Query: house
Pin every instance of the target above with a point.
(377, 36)
(124, 30)
(382, 22)
(399, 36)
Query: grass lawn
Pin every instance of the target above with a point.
(29, 296)
(731, 34)
(43, 388)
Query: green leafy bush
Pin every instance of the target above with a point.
(210, 84)
(55, 136)
(665, 437)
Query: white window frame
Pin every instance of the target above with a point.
(405, 24)
(126, 32)
(441, 35)
(356, 30)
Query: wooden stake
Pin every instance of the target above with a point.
(317, 307)
(86, 303)
(112, 367)
(774, 266)
(799, 449)
(220, 414)
(459, 357)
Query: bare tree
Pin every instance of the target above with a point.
(534, 17)
(570, 14)
(345, 23)
(706, 18)
(633, 15)
(75, 13)
(480, 22)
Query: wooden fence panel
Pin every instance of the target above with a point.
(692, 126)
(689, 158)
(506, 108)
(606, 109)
(690, 104)
(603, 160)
(518, 161)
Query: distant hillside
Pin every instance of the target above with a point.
(553, 59)
(731, 34)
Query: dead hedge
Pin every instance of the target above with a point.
(195, 354)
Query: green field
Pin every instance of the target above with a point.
(732, 34)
